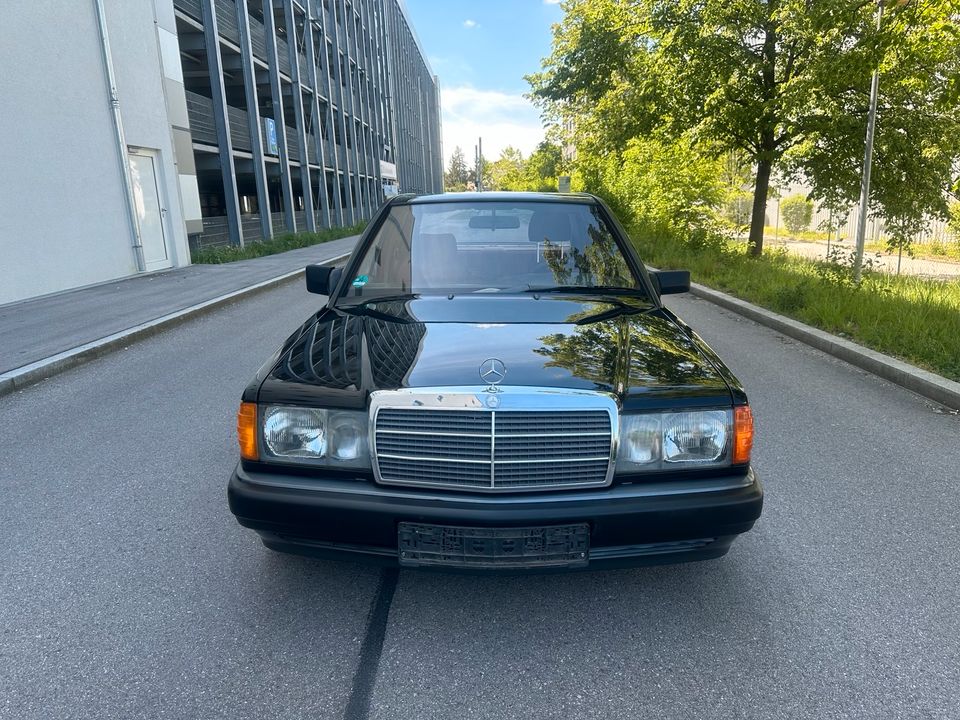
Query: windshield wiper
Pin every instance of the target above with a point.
(608, 290)
(358, 300)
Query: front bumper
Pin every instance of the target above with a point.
(629, 524)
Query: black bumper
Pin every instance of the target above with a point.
(629, 524)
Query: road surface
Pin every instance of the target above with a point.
(128, 591)
(923, 267)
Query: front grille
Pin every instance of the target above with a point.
(493, 449)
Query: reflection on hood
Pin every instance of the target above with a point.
(384, 347)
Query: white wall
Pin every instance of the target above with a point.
(138, 33)
(62, 212)
(63, 215)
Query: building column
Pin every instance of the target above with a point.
(337, 208)
(211, 36)
(276, 91)
(422, 122)
(350, 215)
(379, 93)
(356, 101)
(253, 120)
(292, 45)
(315, 86)
(438, 146)
(392, 97)
(366, 96)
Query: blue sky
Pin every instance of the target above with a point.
(481, 50)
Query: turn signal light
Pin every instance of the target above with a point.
(247, 430)
(742, 434)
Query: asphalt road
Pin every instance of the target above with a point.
(127, 590)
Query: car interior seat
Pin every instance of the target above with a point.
(435, 260)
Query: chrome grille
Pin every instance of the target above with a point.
(452, 439)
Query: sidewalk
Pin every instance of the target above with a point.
(33, 330)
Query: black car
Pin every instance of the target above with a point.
(494, 383)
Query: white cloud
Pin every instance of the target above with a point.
(470, 24)
(500, 118)
(551, 2)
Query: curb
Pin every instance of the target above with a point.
(21, 377)
(929, 385)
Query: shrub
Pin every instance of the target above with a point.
(277, 244)
(797, 212)
(953, 224)
(737, 208)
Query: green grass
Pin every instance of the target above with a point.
(914, 319)
(278, 244)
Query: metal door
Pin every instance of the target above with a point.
(150, 211)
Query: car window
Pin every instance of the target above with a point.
(490, 247)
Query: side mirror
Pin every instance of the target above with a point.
(671, 282)
(321, 279)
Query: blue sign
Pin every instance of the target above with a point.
(271, 130)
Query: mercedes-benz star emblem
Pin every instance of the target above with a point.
(492, 372)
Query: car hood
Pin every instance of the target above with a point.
(624, 347)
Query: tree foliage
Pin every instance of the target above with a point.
(785, 83)
(511, 171)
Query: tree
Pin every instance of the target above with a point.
(901, 232)
(797, 212)
(953, 224)
(543, 167)
(737, 179)
(457, 175)
(782, 81)
(917, 143)
(508, 172)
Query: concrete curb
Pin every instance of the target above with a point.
(928, 384)
(21, 377)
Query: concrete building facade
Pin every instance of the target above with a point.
(88, 194)
(148, 128)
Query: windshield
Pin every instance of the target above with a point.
(491, 247)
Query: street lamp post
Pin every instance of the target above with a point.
(867, 163)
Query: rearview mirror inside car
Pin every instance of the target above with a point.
(671, 282)
(495, 222)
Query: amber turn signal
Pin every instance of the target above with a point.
(742, 434)
(247, 430)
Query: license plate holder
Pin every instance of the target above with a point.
(552, 546)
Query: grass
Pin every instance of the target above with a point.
(278, 244)
(914, 319)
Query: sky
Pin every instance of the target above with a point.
(481, 50)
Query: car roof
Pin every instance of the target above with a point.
(474, 197)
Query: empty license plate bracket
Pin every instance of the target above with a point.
(471, 547)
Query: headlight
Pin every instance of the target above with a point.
(666, 441)
(294, 432)
(696, 437)
(640, 441)
(348, 437)
(333, 438)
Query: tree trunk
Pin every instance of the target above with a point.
(758, 218)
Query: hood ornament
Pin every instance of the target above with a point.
(492, 372)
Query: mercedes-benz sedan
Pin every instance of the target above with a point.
(493, 383)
